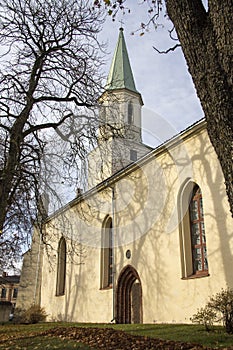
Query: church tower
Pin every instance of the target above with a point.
(120, 135)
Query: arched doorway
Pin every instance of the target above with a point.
(129, 297)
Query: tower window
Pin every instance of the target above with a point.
(103, 114)
(130, 113)
(133, 155)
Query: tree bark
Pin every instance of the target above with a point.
(206, 40)
(16, 137)
(9, 171)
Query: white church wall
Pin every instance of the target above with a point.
(82, 300)
(146, 223)
(156, 255)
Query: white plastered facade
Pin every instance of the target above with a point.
(146, 223)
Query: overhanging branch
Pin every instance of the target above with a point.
(62, 99)
(46, 125)
(168, 50)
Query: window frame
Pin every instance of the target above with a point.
(184, 199)
(198, 223)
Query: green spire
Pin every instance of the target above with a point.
(120, 75)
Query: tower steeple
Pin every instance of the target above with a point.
(120, 139)
(120, 75)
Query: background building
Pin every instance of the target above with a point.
(9, 291)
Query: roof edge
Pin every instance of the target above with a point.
(172, 142)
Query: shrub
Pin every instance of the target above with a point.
(205, 316)
(33, 314)
(222, 303)
(219, 308)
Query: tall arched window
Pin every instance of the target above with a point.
(197, 228)
(130, 113)
(194, 261)
(106, 263)
(61, 267)
(103, 114)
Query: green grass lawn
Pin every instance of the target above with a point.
(27, 337)
(185, 333)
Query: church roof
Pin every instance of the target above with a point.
(120, 75)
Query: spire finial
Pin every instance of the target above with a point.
(120, 75)
(121, 27)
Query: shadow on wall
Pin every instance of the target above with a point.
(144, 205)
(219, 215)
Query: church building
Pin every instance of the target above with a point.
(150, 240)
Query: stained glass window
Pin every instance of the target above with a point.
(198, 238)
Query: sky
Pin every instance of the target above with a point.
(170, 100)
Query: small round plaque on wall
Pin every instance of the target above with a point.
(128, 254)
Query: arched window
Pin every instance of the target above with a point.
(194, 261)
(106, 263)
(130, 113)
(197, 228)
(61, 267)
(103, 114)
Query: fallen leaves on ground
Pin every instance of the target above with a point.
(110, 339)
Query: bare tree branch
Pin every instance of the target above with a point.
(168, 50)
(50, 78)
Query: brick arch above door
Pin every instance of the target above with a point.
(129, 296)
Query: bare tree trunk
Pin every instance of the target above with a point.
(206, 40)
(9, 170)
(49, 77)
(16, 136)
